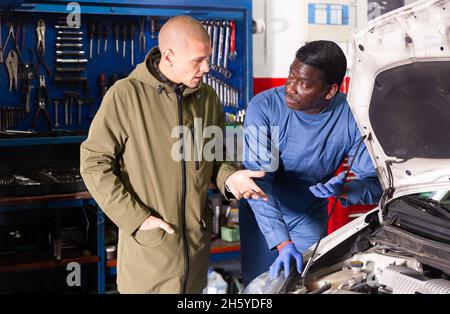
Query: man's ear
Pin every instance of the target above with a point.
(167, 56)
(332, 91)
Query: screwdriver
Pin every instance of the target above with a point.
(105, 37)
(98, 34)
(124, 38)
(91, 36)
(132, 32)
(116, 35)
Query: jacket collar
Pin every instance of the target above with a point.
(147, 73)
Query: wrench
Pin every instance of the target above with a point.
(61, 45)
(69, 52)
(66, 27)
(208, 27)
(233, 52)
(71, 60)
(69, 33)
(220, 48)
(226, 102)
(214, 46)
(227, 44)
(69, 38)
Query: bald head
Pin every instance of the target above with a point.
(179, 31)
(185, 49)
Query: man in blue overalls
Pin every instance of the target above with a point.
(310, 130)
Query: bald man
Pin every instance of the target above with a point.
(145, 181)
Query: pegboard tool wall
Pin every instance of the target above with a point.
(108, 63)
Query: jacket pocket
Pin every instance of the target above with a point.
(204, 173)
(149, 238)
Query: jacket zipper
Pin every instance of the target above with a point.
(197, 163)
(183, 197)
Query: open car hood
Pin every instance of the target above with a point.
(400, 96)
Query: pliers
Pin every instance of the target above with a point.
(10, 35)
(12, 64)
(142, 40)
(40, 48)
(40, 30)
(42, 100)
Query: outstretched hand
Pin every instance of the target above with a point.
(241, 184)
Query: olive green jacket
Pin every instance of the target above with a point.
(127, 166)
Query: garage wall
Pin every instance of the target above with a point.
(287, 28)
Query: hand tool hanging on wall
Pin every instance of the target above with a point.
(153, 21)
(69, 45)
(13, 41)
(40, 30)
(40, 47)
(91, 36)
(70, 80)
(105, 37)
(214, 45)
(69, 33)
(56, 103)
(42, 100)
(132, 33)
(27, 71)
(209, 28)
(66, 110)
(71, 60)
(124, 39)
(233, 52)
(66, 27)
(220, 44)
(70, 52)
(227, 45)
(222, 55)
(12, 64)
(142, 39)
(228, 95)
(65, 38)
(98, 35)
(116, 35)
(71, 97)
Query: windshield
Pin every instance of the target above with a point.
(441, 196)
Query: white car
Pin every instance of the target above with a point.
(400, 97)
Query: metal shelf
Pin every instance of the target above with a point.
(44, 261)
(27, 141)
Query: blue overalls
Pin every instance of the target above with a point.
(307, 149)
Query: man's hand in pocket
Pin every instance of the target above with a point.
(153, 222)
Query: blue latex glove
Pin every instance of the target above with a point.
(287, 253)
(331, 188)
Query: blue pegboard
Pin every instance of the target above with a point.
(110, 63)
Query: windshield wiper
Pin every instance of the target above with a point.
(429, 205)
